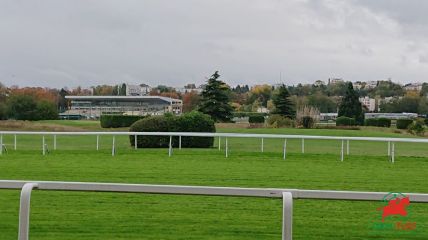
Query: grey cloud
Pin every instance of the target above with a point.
(77, 42)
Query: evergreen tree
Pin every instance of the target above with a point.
(283, 104)
(215, 100)
(351, 106)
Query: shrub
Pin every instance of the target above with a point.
(345, 121)
(256, 118)
(278, 121)
(378, 122)
(46, 111)
(426, 121)
(117, 121)
(404, 123)
(384, 122)
(189, 122)
(416, 128)
(308, 122)
(305, 112)
(371, 122)
(194, 122)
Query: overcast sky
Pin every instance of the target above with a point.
(60, 43)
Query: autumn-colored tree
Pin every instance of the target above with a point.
(190, 101)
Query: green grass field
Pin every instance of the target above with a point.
(74, 215)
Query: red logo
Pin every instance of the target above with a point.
(396, 206)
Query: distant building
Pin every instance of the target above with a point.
(335, 80)
(137, 90)
(262, 110)
(416, 87)
(369, 103)
(191, 88)
(358, 85)
(393, 116)
(328, 116)
(92, 107)
(371, 84)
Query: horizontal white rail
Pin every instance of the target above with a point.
(287, 196)
(209, 134)
(205, 190)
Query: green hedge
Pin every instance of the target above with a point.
(256, 118)
(189, 122)
(117, 121)
(404, 123)
(345, 121)
(378, 122)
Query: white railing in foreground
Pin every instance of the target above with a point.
(390, 150)
(287, 196)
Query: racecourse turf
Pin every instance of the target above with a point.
(75, 215)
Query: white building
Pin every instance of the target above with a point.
(358, 85)
(413, 87)
(191, 87)
(369, 103)
(335, 80)
(371, 84)
(137, 90)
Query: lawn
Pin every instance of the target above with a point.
(74, 215)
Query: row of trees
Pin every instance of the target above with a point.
(215, 102)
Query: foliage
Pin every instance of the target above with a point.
(117, 121)
(3, 111)
(350, 106)
(345, 121)
(256, 118)
(302, 115)
(190, 101)
(416, 128)
(279, 121)
(378, 122)
(282, 102)
(215, 100)
(46, 111)
(324, 103)
(22, 107)
(404, 123)
(188, 122)
(261, 94)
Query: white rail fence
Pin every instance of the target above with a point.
(343, 140)
(287, 196)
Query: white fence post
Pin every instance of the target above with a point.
(14, 142)
(263, 145)
(54, 142)
(113, 148)
(227, 148)
(342, 152)
(393, 152)
(284, 149)
(24, 211)
(179, 142)
(98, 142)
(43, 145)
(1, 144)
(219, 143)
(136, 142)
(303, 145)
(389, 149)
(347, 147)
(287, 216)
(170, 146)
